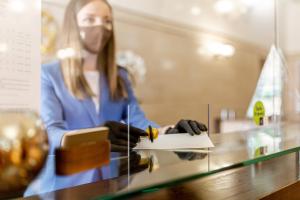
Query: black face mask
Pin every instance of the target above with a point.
(94, 38)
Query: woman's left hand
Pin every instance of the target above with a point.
(118, 136)
(187, 126)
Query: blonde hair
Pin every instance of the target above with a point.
(72, 66)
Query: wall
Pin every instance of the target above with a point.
(180, 83)
(243, 22)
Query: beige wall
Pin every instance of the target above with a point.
(184, 92)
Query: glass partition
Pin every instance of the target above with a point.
(221, 63)
(288, 37)
(210, 52)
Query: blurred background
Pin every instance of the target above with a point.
(186, 55)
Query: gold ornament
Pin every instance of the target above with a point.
(23, 150)
(49, 33)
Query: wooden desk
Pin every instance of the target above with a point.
(251, 182)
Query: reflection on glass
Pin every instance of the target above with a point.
(135, 65)
(270, 85)
(263, 143)
(66, 53)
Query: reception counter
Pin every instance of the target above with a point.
(242, 165)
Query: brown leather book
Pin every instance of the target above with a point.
(82, 150)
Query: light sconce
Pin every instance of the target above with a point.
(17, 5)
(3, 48)
(216, 49)
(224, 6)
(195, 11)
(236, 8)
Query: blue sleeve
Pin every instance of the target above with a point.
(133, 112)
(51, 111)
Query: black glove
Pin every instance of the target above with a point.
(118, 136)
(190, 155)
(187, 126)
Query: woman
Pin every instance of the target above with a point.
(87, 89)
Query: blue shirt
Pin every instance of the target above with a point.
(61, 111)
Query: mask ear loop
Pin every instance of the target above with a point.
(83, 52)
(108, 27)
(82, 35)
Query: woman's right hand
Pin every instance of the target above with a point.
(118, 136)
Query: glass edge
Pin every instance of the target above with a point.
(174, 182)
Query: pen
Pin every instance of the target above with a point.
(151, 133)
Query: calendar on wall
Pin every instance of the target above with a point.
(20, 60)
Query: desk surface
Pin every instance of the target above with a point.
(166, 169)
(250, 182)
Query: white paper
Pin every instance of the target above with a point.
(190, 150)
(176, 141)
(20, 39)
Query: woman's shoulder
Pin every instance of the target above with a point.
(51, 68)
(52, 72)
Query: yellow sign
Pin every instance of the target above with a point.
(258, 113)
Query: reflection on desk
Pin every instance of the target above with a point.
(139, 161)
(231, 151)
